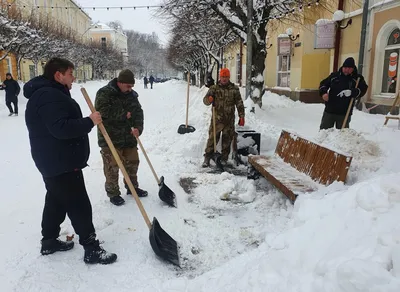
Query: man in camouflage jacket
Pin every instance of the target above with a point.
(123, 119)
(224, 96)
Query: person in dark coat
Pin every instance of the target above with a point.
(151, 79)
(58, 135)
(145, 81)
(12, 90)
(337, 90)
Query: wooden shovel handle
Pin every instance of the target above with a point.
(187, 99)
(148, 160)
(118, 160)
(349, 108)
(214, 130)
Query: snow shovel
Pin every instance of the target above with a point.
(216, 156)
(185, 128)
(162, 244)
(349, 108)
(165, 193)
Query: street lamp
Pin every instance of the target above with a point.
(338, 17)
(289, 32)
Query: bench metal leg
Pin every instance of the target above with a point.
(252, 173)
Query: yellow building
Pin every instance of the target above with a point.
(303, 55)
(66, 13)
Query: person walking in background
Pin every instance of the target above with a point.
(58, 136)
(122, 117)
(151, 79)
(145, 81)
(224, 96)
(337, 90)
(12, 89)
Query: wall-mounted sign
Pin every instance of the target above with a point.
(325, 31)
(284, 46)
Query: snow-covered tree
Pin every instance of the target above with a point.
(234, 14)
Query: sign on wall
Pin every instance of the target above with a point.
(284, 46)
(325, 31)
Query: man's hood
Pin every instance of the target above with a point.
(41, 82)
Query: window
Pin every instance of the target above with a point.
(284, 71)
(9, 65)
(238, 69)
(103, 43)
(284, 60)
(391, 63)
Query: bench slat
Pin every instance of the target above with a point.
(287, 179)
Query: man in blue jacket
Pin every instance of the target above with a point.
(58, 136)
(12, 90)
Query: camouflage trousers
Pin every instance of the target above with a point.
(130, 159)
(227, 130)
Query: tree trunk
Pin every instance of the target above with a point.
(257, 71)
(19, 60)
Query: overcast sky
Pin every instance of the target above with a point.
(141, 20)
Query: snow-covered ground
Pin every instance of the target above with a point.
(340, 238)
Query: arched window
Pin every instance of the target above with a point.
(391, 62)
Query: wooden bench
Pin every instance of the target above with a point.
(300, 166)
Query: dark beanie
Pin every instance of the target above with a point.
(8, 74)
(126, 76)
(349, 63)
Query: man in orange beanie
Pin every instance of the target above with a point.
(224, 96)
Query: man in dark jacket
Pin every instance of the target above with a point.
(122, 116)
(225, 97)
(12, 90)
(58, 136)
(151, 80)
(337, 91)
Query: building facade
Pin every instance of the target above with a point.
(65, 13)
(382, 53)
(108, 36)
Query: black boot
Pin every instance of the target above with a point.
(117, 200)
(95, 254)
(50, 246)
(141, 193)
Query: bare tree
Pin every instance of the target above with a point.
(234, 14)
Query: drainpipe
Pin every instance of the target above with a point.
(363, 37)
(337, 41)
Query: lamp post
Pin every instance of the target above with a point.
(289, 32)
(338, 17)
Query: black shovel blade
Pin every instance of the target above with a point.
(184, 130)
(216, 157)
(166, 194)
(163, 245)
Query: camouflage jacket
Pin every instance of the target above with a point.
(113, 106)
(226, 97)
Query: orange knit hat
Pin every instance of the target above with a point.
(224, 72)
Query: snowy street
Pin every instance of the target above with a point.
(344, 237)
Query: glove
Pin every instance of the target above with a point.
(241, 122)
(211, 99)
(346, 92)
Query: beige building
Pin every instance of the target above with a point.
(108, 36)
